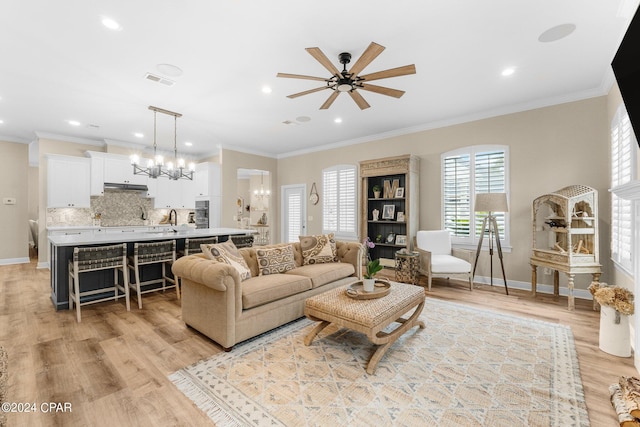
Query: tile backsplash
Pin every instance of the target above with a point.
(116, 208)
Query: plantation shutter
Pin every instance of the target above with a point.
(294, 216)
(622, 168)
(339, 201)
(457, 194)
(490, 178)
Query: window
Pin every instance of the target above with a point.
(339, 201)
(465, 173)
(622, 171)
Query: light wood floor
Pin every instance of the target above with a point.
(112, 368)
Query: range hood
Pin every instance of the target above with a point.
(127, 187)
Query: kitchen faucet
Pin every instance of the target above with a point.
(173, 214)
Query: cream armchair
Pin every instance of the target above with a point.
(437, 258)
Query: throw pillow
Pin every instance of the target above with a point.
(275, 260)
(228, 253)
(318, 249)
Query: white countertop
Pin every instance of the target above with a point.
(109, 238)
(97, 227)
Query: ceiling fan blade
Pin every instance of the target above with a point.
(300, 76)
(359, 99)
(322, 58)
(307, 92)
(370, 53)
(392, 72)
(383, 90)
(330, 100)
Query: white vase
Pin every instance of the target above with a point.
(368, 284)
(614, 337)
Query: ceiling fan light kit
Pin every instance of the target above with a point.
(350, 81)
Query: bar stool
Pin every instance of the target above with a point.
(112, 257)
(192, 246)
(242, 241)
(151, 253)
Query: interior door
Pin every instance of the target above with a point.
(294, 212)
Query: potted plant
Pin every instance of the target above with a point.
(376, 191)
(616, 304)
(373, 267)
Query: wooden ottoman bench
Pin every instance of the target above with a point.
(369, 316)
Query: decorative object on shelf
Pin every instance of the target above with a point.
(379, 238)
(376, 191)
(616, 305)
(156, 167)
(262, 193)
(400, 217)
(375, 214)
(373, 267)
(390, 187)
(401, 239)
(391, 237)
(490, 203)
(313, 195)
(388, 211)
(399, 193)
(556, 223)
(263, 219)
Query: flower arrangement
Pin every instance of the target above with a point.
(616, 297)
(373, 267)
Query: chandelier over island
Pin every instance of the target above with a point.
(155, 167)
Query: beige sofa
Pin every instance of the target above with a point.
(221, 306)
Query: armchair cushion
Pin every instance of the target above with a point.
(449, 264)
(438, 242)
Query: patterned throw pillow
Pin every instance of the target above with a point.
(228, 253)
(318, 249)
(275, 260)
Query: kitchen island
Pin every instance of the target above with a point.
(61, 252)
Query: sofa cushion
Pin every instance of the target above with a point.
(275, 260)
(318, 249)
(261, 290)
(228, 253)
(321, 274)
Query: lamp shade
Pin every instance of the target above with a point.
(491, 202)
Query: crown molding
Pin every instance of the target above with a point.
(66, 138)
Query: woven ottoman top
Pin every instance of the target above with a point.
(370, 312)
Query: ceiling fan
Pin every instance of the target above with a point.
(350, 81)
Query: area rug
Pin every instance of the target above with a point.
(468, 367)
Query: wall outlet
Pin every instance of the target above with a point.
(9, 200)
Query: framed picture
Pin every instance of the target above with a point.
(400, 217)
(391, 237)
(399, 192)
(388, 211)
(401, 239)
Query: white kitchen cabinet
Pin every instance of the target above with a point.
(119, 170)
(68, 182)
(207, 180)
(97, 176)
(178, 194)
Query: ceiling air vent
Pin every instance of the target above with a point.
(289, 122)
(158, 79)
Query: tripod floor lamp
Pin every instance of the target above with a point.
(491, 202)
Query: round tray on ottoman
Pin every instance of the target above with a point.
(356, 290)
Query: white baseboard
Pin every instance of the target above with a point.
(542, 289)
(42, 265)
(9, 261)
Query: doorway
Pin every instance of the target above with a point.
(294, 212)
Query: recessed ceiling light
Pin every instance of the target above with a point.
(111, 24)
(266, 89)
(556, 33)
(73, 122)
(337, 120)
(1, 122)
(508, 71)
(188, 144)
(169, 70)
(138, 134)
